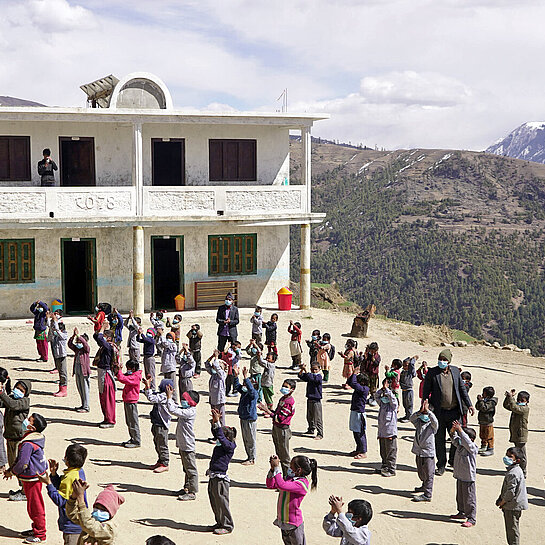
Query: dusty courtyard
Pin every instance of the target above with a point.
(151, 508)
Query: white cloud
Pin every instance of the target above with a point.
(59, 16)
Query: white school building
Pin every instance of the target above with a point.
(149, 202)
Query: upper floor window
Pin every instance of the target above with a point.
(16, 261)
(232, 254)
(232, 160)
(14, 158)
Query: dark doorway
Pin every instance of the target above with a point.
(77, 161)
(78, 275)
(168, 161)
(167, 274)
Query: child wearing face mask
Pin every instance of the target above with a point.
(175, 327)
(96, 525)
(5, 382)
(59, 489)
(257, 325)
(254, 351)
(231, 357)
(314, 399)
(292, 491)
(16, 401)
(426, 425)
(185, 439)
(195, 342)
(271, 328)
(314, 345)
(79, 344)
(513, 498)
(348, 357)
(295, 330)
(387, 428)
(29, 464)
(169, 350)
(247, 412)
(486, 409)
(326, 352)
(281, 417)
(116, 325)
(518, 422)
(216, 385)
(40, 309)
(352, 526)
(58, 338)
(185, 360)
(131, 392)
(267, 377)
(357, 422)
(98, 318)
(133, 323)
(148, 340)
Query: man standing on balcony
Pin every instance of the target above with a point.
(227, 319)
(45, 169)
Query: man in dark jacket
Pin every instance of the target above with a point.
(227, 319)
(444, 388)
(46, 168)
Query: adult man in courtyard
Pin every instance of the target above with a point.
(227, 319)
(445, 390)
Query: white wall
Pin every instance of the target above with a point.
(114, 145)
(114, 265)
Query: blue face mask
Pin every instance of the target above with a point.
(78, 345)
(25, 424)
(228, 302)
(442, 364)
(213, 371)
(291, 473)
(175, 322)
(218, 443)
(244, 390)
(184, 404)
(349, 517)
(314, 338)
(508, 461)
(284, 391)
(424, 417)
(39, 309)
(17, 394)
(101, 516)
(257, 314)
(521, 403)
(253, 350)
(128, 373)
(385, 399)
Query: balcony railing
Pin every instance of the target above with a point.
(28, 203)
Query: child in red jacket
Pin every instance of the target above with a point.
(29, 465)
(131, 392)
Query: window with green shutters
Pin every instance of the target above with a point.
(232, 254)
(16, 261)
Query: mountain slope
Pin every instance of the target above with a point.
(12, 101)
(434, 236)
(525, 142)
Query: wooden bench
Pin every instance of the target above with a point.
(211, 294)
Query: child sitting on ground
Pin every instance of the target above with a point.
(294, 329)
(426, 425)
(513, 498)
(96, 526)
(387, 429)
(352, 526)
(357, 422)
(131, 392)
(185, 439)
(160, 422)
(29, 465)
(59, 488)
(314, 399)
(218, 484)
(518, 422)
(486, 407)
(465, 473)
(406, 384)
(293, 490)
(281, 417)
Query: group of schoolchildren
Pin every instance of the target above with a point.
(180, 362)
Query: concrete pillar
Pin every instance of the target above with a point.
(304, 282)
(138, 270)
(306, 142)
(137, 169)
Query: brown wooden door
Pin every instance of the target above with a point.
(77, 161)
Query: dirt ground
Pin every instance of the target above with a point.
(151, 508)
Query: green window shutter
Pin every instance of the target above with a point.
(16, 261)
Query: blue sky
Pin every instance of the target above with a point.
(392, 73)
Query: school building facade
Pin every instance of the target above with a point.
(148, 202)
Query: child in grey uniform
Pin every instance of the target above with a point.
(216, 384)
(58, 337)
(406, 377)
(185, 439)
(133, 323)
(186, 370)
(465, 473)
(426, 425)
(387, 428)
(169, 349)
(513, 498)
(352, 526)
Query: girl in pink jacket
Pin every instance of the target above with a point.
(131, 392)
(292, 490)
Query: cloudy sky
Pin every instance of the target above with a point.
(392, 73)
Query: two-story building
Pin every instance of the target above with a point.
(149, 200)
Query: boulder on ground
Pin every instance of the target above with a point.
(496, 344)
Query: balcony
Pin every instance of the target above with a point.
(39, 204)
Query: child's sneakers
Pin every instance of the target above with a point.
(483, 449)
(487, 452)
(34, 539)
(187, 496)
(18, 495)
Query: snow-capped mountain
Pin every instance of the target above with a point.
(525, 142)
